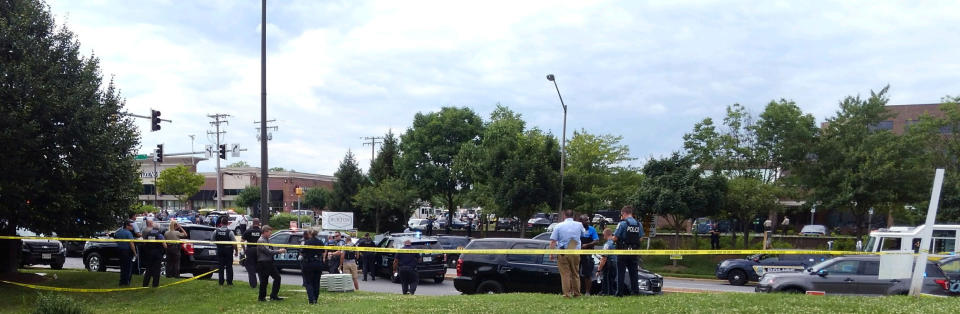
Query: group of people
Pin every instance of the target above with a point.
(149, 256)
(614, 270)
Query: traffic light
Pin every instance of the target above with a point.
(158, 153)
(154, 120)
(223, 151)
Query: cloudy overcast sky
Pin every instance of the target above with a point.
(341, 70)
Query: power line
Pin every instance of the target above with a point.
(374, 140)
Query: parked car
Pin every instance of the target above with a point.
(290, 259)
(520, 272)
(41, 252)
(195, 258)
(851, 275)
(739, 271)
(950, 267)
(597, 218)
(449, 242)
(506, 223)
(543, 236)
(539, 220)
(814, 230)
(432, 266)
(552, 226)
(419, 224)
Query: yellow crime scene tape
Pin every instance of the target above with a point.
(480, 251)
(62, 289)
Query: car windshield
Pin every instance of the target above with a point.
(421, 245)
(232, 218)
(200, 234)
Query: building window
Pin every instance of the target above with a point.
(148, 189)
(884, 125)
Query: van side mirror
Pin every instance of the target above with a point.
(822, 273)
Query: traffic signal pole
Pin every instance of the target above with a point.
(221, 152)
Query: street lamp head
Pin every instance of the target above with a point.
(550, 77)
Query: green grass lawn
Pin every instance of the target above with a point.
(205, 296)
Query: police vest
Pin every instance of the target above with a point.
(632, 238)
(153, 248)
(349, 255)
(222, 234)
(252, 235)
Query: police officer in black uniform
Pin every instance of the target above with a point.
(225, 252)
(249, 261)
(368, 259)
(405, 266)
(627, 236)
(152, 253)
(312, 265)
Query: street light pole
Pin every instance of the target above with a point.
(563, 141)
(812, 211)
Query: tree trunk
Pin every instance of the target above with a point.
(376, 221)
(523, 230)
(10, 249)
(746, 235)
(450, 211)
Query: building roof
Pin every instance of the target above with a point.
(255, 171)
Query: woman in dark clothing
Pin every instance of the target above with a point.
(311, 265)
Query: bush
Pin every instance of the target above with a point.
(658, 245)
(55, 303)
(282, 220)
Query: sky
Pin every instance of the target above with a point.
(338, 71)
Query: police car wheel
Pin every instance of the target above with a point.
(490, 287)
(737, 277)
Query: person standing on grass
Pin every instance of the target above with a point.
(249, 260)
(225, 252)
(627, 236)
(607, 270)
(312, 265)
(127, 252)
(405, 266)
(152, 253)
(566, 236)
(369, 258)
(174, 232)
(714, 238)
(587, 242)
(348, 263)
(265, 267)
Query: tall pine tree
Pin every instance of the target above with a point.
(349, 180)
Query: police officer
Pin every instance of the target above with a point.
(369, 258)
(312, 265)
(405, 266)
(627, 236)
(225, 252)
(430, 225)
(152, 253)
(265, 266)
(249, 260)
(126, 250)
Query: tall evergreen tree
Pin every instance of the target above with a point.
(384, 165)
(349, 180)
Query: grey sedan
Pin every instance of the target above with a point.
(857, 275)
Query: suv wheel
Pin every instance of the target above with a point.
(737, 277)
(490, 287)
(95, 262)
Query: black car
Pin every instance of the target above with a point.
(449, 242)
(195, 258)
(290, 259)
(506, 223)
(431, 265)
(41, 252)
(480, 273)
(739, 271)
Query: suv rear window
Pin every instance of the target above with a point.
(425, 245)
(200, 234)
(483, 245)
(525, 258)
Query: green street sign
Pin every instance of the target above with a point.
(142, 157)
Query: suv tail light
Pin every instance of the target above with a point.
(943, 283)
(459, 267)
(188, 247)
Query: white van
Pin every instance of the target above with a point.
(907, 239)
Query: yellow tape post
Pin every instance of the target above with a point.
(89, 290)
(482, 251)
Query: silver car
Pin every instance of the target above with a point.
(857, 275)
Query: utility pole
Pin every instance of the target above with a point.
(264, 182)
(218, 119)
(374, 140)
(920, 263)
(269, 135)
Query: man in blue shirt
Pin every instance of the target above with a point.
(587, 242)
(127, 252)
(627, 236)
(566, 235)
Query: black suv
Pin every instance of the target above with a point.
(290, 259)
(431, 265)
(507, 223)
(195, 258)
(739, 271)
(41, 252)
(480, 273)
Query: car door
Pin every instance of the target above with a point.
(550, 281)
(523, 272)
(386, 259)
(840, 278)
(869, 282)
(280, 238)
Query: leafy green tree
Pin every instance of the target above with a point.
(384, 165)
(68, 147)
(238, 164)
(248, 197)
(515, 171)
(674, 188)
(180, 182)
(593, 163)
(277, 169)
(388, 202)
(429, 148)
(784, 136)
(316, 198)
(349, 180)
(747, 197)
(858, 166)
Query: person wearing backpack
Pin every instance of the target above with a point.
(225, 252)
(627, 236)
